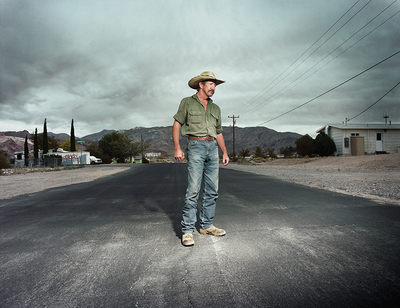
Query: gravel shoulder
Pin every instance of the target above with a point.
(28, 182)
(374, 177)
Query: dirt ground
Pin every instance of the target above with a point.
(368, 162)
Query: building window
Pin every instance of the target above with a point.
(355, 134)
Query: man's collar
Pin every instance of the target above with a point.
(197, 98)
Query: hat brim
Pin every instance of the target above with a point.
(194, 82)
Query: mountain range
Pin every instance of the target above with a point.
(160, 138)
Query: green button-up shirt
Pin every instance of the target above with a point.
(197, 121)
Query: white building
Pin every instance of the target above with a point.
(152, 155)
(74, 158)
(360, 139)
(67, 158)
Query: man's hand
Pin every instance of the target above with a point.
(179, 155)
(221, 144)
(225, 159)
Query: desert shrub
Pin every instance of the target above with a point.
(4, 162)
(324, 145)
(305, 145)
(259, 152)
(244, 153)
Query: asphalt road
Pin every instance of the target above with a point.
(115, 242)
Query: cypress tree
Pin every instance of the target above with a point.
(73, 148)
(26, 150)
(35, 145)
(45, 139)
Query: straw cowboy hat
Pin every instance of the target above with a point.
(194, 82)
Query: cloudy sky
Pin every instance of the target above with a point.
(120, 64)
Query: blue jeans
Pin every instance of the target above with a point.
(203, 163)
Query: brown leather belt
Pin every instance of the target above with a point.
(207, 138)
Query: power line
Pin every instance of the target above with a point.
(375, 102)
(261, 93)
(339, 85)
(279, 93)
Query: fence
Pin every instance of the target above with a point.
(52, 162)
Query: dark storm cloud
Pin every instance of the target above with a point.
(121, 64)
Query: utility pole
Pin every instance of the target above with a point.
(233, 127)
(141, 146)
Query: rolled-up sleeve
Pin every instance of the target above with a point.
(216, 112)
(181, 115)
(219, 127)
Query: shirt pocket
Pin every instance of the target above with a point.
(214, 118)
(194, 117)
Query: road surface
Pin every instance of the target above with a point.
(115, 242)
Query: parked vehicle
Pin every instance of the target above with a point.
(95, 160)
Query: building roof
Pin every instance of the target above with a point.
(360, 126)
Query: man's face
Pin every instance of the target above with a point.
(208, 87)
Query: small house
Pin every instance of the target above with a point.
(138, 159)
(360, 139)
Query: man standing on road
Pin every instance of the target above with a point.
(199, 119)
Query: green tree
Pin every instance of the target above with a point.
(244, 153)
(26, 150)
(4, 161)
(324, 145)
(119, 146)
(45, 138)
(53, 143)
(305, 145)
(259, 152)
(271, 152)
(72, 138)
(141, 147)
(94, 150)
(35, 145)
(66, 145)
(287, 151)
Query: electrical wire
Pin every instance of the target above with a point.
(260, 94)
(278, 94)
(375, 102)
(330, 90)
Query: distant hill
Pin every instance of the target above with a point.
(245, 138)
(251, 137)
(160, 138)
(13, 143)
(24, 133)
(60, 137)
(20, 134)
(99, 135)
